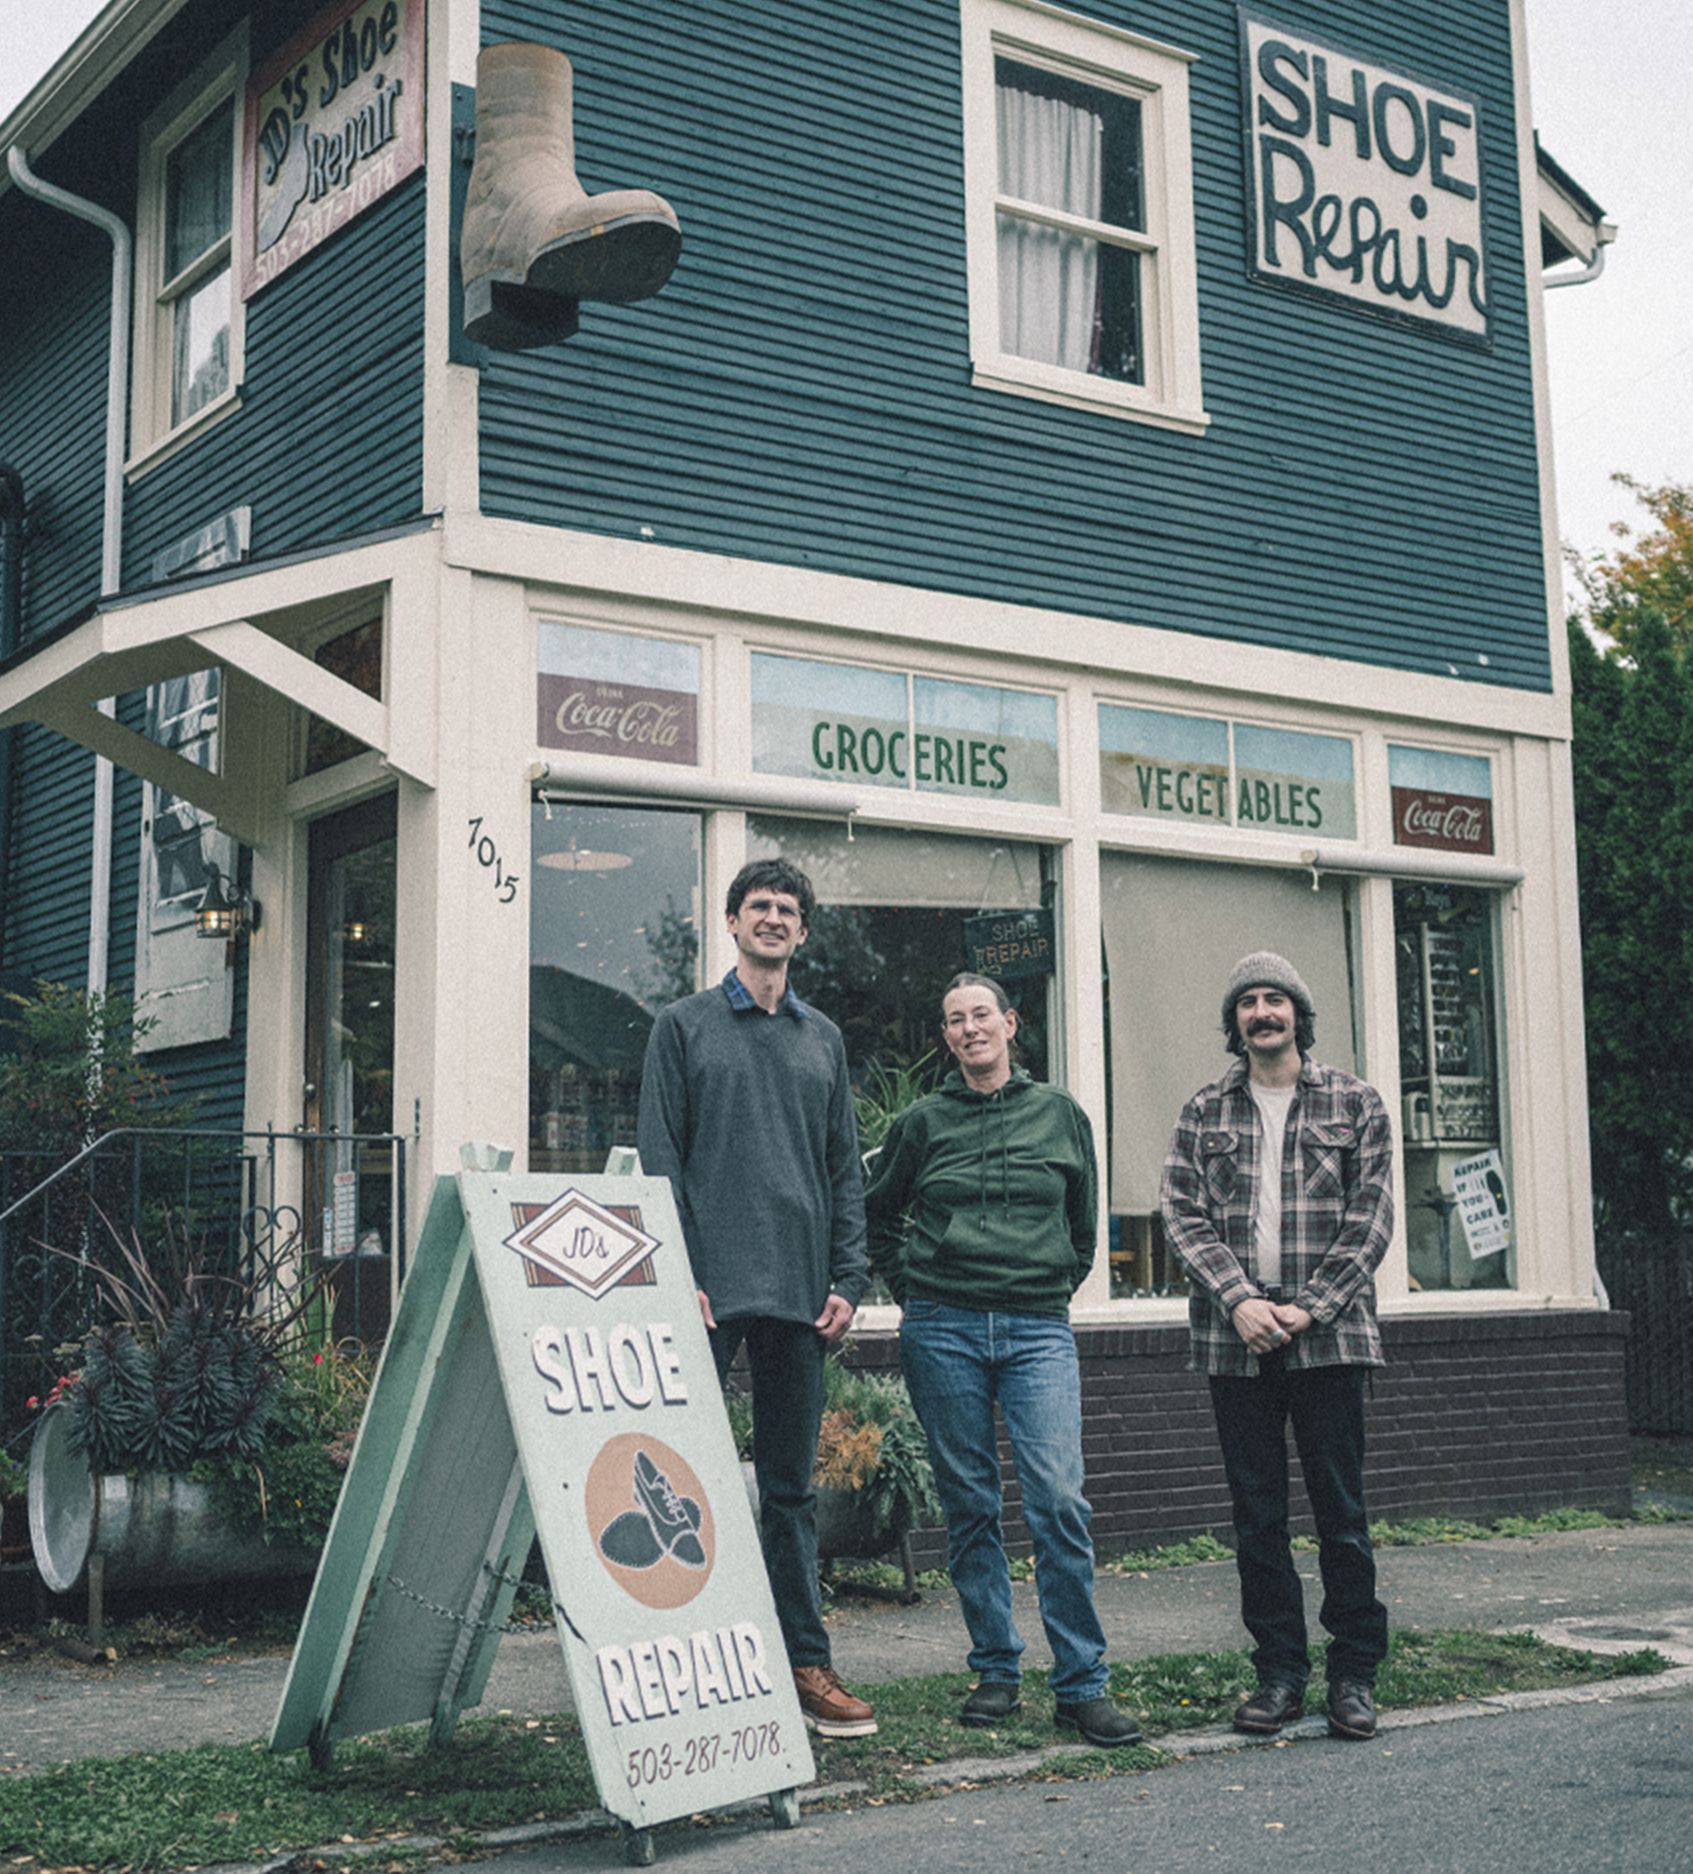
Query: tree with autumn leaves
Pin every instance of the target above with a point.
(1633, 759)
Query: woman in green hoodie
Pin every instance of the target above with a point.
(982, 1213)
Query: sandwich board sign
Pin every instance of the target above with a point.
(547, 1373)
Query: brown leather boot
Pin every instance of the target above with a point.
(830, 1709)
(534, 241)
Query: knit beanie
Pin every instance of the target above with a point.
(1265, 970)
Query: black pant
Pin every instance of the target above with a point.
(785, 1360)
(1326, 1405)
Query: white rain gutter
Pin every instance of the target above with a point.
(111, 536)
(1591, 271)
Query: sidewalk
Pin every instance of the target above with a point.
(1611, 1589)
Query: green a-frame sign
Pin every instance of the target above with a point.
(547, 1373)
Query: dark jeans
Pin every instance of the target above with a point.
(1326, 1405)
(785, 1359)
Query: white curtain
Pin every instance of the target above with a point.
(1050, 153)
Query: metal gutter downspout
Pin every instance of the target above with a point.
(12, 514)
(111, 539)
(1591, 271)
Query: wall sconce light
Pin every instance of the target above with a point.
(225, 910)
(357, 930)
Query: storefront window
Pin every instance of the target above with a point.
(883, 728)
(891, 931)
(1458, 1221)
(1173, 931)
(614, 936)
(1159, 766)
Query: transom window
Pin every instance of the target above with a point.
(1079, 214)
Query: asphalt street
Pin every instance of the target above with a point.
(1566, 1789)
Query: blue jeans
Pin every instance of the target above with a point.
(1326, 1407)
(957, 1362)
(785, 1361)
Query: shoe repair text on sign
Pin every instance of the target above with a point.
(1364, 184)
(334, 123)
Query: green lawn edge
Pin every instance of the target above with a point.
(223, 1803)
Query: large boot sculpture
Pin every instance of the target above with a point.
(534, 241)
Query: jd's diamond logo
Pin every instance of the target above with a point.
(582, 1243)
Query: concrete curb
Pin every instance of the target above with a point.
(961, 1772)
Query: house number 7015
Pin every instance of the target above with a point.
(488, 854)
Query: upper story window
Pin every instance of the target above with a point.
(1079, 214)
(187, 312)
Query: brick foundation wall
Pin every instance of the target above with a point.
(1475, 1416)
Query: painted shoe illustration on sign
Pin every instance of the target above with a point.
(664, 1524)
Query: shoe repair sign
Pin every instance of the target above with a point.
(573, 1394)
(334, 122)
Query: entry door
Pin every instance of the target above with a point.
(349, 1090)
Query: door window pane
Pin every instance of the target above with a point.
(1458, 1222)
(614, 936)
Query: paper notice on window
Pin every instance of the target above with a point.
(344, 1213)
(1484, 1208)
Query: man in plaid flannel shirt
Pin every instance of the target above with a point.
(1282, 1312)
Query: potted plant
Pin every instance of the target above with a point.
(192, 1373)
(873, 1478)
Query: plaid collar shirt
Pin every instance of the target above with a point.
(1337, 1215)
(742, 998)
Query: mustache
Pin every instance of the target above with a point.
(1265, 1025)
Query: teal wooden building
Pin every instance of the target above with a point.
(1081, 486)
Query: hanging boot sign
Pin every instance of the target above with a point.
(548, 1373)
(535, 242)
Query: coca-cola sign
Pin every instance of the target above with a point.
(595, 717)
(1446, 822)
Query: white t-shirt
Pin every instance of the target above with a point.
(1273, 1104)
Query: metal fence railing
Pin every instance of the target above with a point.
(261, 1207)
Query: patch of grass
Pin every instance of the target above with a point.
(1171, 1555)
(1663, 1464)
(223, 1803)
(1661, 1513)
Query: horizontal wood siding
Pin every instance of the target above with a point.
(55, 333)
(328, 441)
(800, 391)
(46, 909)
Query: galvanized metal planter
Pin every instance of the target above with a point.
(153, 1529)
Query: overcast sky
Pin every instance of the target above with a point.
(1611, 103)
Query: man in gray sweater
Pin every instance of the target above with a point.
(746, 1108)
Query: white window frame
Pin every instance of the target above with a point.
(152, 436)
(1156, 76)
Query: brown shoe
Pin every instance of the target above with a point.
(828, 1707)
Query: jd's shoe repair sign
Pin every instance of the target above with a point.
(548, 1373)
(1363, 183)
(334, 123)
